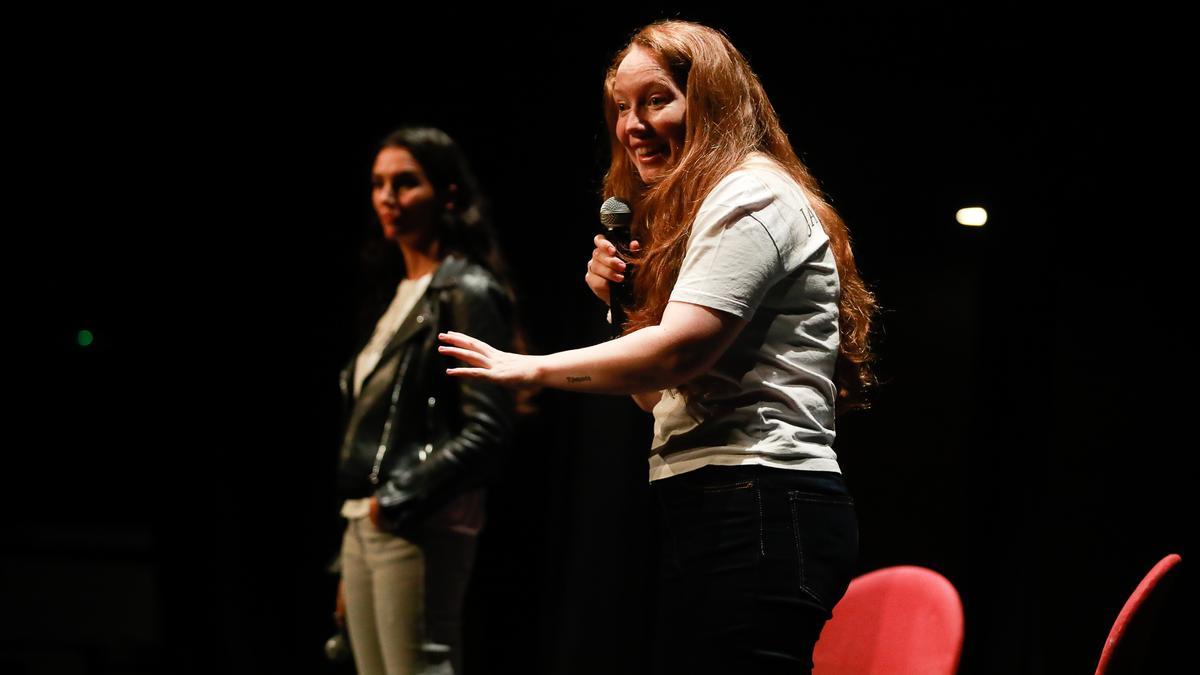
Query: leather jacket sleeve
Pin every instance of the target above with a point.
(468, 452)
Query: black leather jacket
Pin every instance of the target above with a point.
(416, 438)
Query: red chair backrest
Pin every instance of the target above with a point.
(1126, 645)
(895, 620)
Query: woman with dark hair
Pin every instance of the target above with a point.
(419, 446)
(749, 332)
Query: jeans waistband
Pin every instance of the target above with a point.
(820, 482)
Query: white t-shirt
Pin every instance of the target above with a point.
(758, 251)
(408, 291)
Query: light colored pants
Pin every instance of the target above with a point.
(401, 594)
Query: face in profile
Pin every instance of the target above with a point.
(402, 195)
(651, 112)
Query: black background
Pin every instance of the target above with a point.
(193, 189)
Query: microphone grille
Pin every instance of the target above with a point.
(615, 213)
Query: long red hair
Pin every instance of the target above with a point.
(728, 117)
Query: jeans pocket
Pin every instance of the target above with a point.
(825, 534)
(714, 528)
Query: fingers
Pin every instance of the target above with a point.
(473, 358)
(606, 265)
(603, 244)
(467, 342)
(606, 271)
(466, 348)
(607, 254)
(469, 373)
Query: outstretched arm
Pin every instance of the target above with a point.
(686, 343)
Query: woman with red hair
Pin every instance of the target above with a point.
(748, 333)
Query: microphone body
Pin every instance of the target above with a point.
(615, 216)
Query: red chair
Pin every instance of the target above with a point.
(1126, 645)
(895, 620)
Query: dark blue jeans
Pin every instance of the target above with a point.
(752, 561)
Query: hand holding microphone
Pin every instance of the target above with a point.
(605, 267)
(608, 274)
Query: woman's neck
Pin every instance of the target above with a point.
(420, 259)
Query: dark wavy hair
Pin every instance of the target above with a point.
(465, 229)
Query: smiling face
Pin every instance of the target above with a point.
(651, 113)
(402, 195)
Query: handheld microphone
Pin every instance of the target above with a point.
(615, 216)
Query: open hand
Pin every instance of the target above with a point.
(488, 363)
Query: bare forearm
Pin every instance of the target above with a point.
(685, 344)
(639, 362)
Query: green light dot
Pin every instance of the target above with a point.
(85, 338)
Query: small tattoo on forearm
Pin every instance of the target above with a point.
(585, 378)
